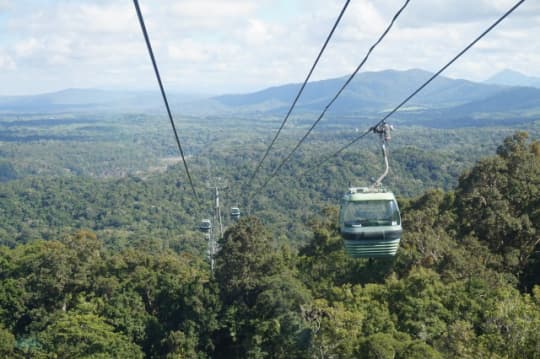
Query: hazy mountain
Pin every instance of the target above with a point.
(444, 102)
(511, 106)
(90, 100)
(508, 100)
(513, 78)
(368, 92)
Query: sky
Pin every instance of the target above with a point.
(235, 46)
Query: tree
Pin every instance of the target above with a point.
(7, 343)
(498, 202)
(261, 296)
(512, 325)
(7, 171)
(379, 346)
(419, 350)
(419, 305)
(80, 333)
(337, 328)
(163, 297)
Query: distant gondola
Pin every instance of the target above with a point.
(370, 223)
(205, 225)
(235, 213)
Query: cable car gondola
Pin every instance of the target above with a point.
(370, 223)
(205, 225)
(369, 218)
(235, 213)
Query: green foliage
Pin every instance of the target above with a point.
(512, 325)
(419, 350)
(7, 343)
(130, 302)
(80, 333)
(119, 175)
(337, 328)
(7, 171)
(461, 286)
(179, 345)
(498, 201)
(377, 346)
(418, 301)
(262, 296)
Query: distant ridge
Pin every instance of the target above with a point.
(513, 78)
(77, 99)
(369, 92)
(445, 102)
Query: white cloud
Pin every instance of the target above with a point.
(27, 47)
(5, 5)
(363, 22)
(423, 13)
(6, 62)
(188, 51)
(81, 18)
(213, 9)
(258, 33)
(240, 45)
(113, 18)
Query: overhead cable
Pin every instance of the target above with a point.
(156, 70)
(351, 77)
(328, 158)
(299, 93)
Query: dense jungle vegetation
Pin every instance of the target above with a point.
(103, 259)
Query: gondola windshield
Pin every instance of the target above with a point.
(371, 213)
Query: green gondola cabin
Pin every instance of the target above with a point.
(370, 222)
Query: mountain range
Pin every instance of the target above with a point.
(513, 78)
(83, 100)
(501, 99)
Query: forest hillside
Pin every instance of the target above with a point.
(465, 284)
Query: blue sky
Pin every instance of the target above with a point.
(228, 46)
